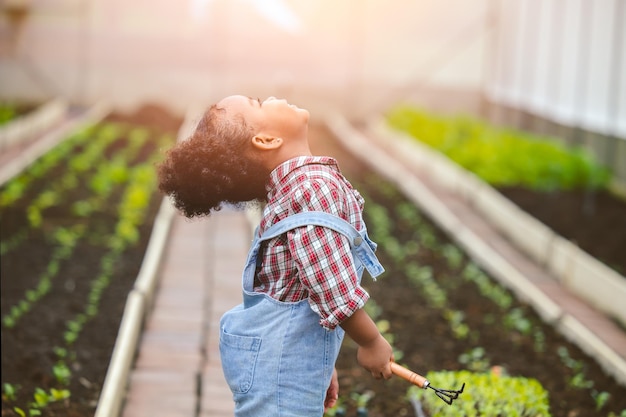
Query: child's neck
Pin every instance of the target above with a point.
(285, 156)
(288, 150)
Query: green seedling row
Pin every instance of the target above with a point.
(109, 161)
(502, 157)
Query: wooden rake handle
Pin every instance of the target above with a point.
(410, 376)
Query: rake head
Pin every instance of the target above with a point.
(447, 395)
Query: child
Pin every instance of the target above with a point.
(301, 283)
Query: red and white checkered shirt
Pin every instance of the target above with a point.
(311, 262)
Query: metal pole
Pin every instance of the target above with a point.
(582, 69)
(616, 83)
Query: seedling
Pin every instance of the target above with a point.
(9, 391)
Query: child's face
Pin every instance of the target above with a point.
(273, 117)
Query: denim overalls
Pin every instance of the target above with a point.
(276, 357)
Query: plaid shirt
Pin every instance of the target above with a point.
(311, 261)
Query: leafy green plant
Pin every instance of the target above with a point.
(41, 399)
(9, 391)
(361, 401)
(456, 320)
(501, 156)
(29, 413)
(338, 410)
(485, 394)
(487, 286)
(516, 320)
(8, 112)
(579, 379)
(453, 255)
(475, 360)
(600, 398)
(61, 373)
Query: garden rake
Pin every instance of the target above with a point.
(446, 395)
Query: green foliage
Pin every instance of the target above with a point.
(502, 157)
(7, 113)
(9, 392)
(485, 395)
(600, 398)
(475, 360)
(515, 320)
(579, 379)
(16, 188)
(62, 373)
(487, 287)
(41, 399)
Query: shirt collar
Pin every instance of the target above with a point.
(282, 171)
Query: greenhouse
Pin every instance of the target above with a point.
(482, 143)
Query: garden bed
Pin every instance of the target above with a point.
(566, 257)
(74, 234)
(468, 330)
(563, 187)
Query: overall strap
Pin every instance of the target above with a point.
(358, 243)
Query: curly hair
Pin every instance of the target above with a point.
(212, 167)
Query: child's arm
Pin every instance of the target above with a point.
(374, 353)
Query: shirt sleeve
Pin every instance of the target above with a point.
(326, 266)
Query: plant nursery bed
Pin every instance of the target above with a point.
(75, 227)
(442, 313)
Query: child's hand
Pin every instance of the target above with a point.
(333, 392)
(376, 357)
(375, 353)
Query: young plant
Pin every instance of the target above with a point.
(601, 398)
(9, 392)
(475, 360)
(361, 401)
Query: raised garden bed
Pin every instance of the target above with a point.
(565, 188)
(444, 313)
(21, 123)
(74, 232)
(568, 242)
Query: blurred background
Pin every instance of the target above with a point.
(553, 66)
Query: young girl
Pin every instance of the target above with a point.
(301, 282)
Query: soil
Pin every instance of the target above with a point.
(422, 334)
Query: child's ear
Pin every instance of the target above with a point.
(266, 142)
